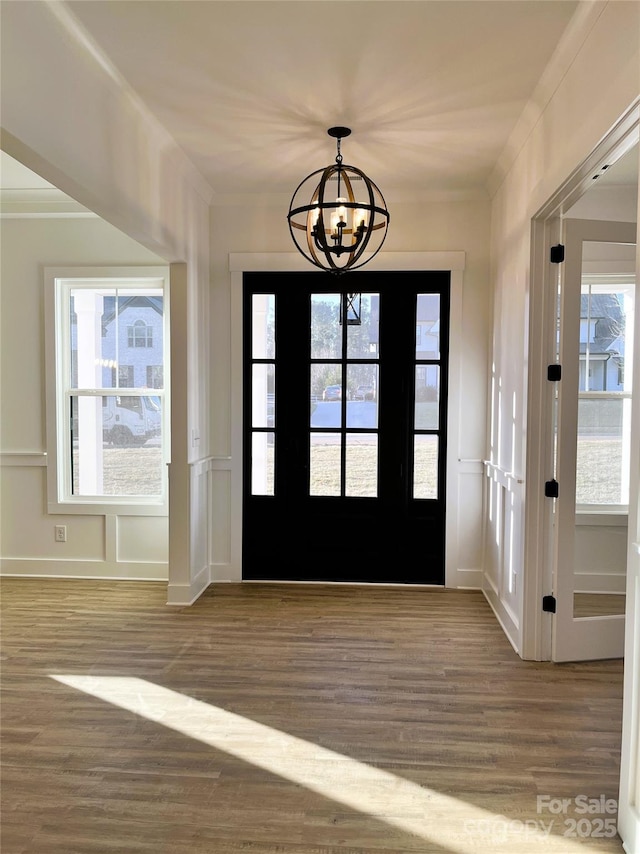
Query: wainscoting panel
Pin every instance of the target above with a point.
(100, 546)
(220, 501)
(466, 539)
(502, 568)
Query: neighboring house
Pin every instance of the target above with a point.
(428, 326)
(602, 340)
(133, 336)
(131, 350)
(427, 346)
(427, 339)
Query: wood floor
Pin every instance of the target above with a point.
(310, 719)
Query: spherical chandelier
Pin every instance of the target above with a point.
(345, 222)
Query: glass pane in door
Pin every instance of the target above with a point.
(326, 395)
(427, 397)
(344, 379)
(363, 337)
(603, 445)
(263, 395)
(604, 396)
(362, 406)
(425, 466)
(262, 463)
(428, 326)
(361, 465)
(263, 342)
(326, 331)
(325, 454)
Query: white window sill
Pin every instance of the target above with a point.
(87, 507)
(617, 518)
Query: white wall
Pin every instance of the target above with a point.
(596, 83)
(596, 79)
(70, 117)
(436, 226)
(616, 203)
(97, 546)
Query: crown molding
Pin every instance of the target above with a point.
(568, 48)
(40, 203)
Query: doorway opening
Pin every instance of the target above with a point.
(581, 302)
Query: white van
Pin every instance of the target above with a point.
(130, 420)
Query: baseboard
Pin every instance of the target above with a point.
(629, 827)
(509, 626)
(469, 579)
(224, 572)
(464, 579)
(186, 594)
(88, 569)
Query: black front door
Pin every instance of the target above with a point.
(345, 426)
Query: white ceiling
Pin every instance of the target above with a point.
(432, 89)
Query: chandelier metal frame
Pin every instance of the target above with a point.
(335, 235)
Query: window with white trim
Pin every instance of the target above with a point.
(604, 398)
(107, 425)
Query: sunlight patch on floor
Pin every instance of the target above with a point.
(457, 826)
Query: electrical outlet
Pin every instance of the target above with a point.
(61, 533)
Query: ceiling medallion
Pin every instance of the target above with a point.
(344, 224)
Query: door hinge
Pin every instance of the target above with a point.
(554, 373)
(556, 255)
(551, 489)
(549, 604)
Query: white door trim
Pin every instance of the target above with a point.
(457, 468)
(545, 232)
